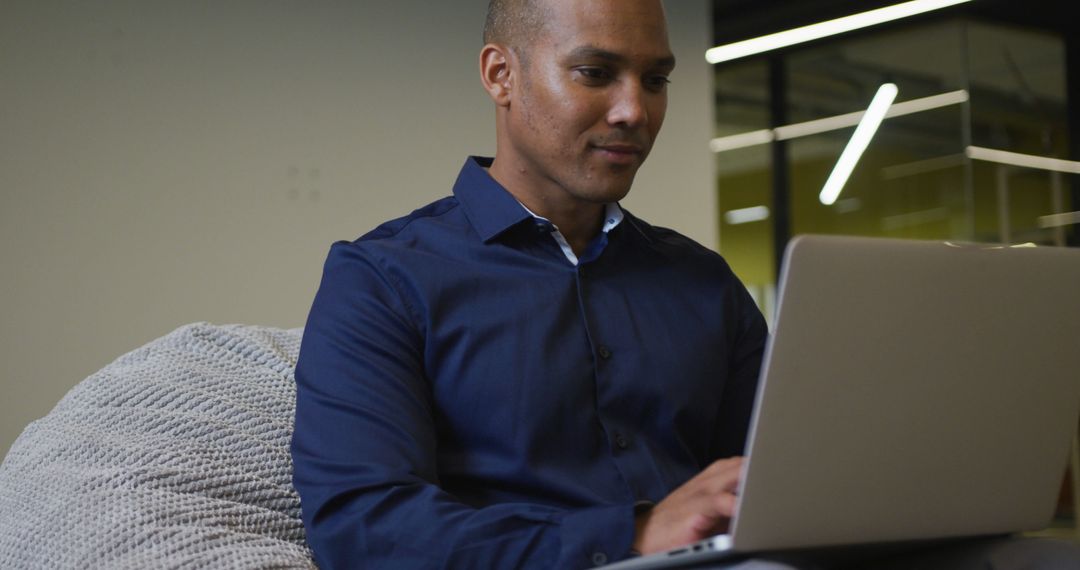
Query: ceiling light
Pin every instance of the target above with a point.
(875, 113)
(746, 215)
(824, 29)
(818, 126)
(851, 119)
(1024, 160)
(1059, 220)
(741, 140)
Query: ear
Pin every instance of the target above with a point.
(495, 73)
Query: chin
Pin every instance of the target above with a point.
(600, 188)
(619, 190)
(605, 195)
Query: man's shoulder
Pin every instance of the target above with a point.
(671, 243)
(412, 243)
(436, 216)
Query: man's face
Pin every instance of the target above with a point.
(591, 98)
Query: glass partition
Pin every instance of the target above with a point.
(961, 156)
(744, 174)
(972, 149)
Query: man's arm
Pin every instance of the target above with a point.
(744, 367)
(703, 506)
(700, 508)
(365, 443)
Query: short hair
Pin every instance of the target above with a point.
(515, 23)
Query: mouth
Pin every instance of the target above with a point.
(620, 153)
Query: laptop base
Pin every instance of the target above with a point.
(712, 554)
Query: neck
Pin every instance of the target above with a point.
(578, 221)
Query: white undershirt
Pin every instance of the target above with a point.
(613, 216)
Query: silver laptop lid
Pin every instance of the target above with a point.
(912, 390)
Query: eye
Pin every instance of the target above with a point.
(657, 82)
(593, 75)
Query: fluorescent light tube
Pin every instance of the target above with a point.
(827, 124)
(875, 113)
(824, 29)
(836, 122)
(1059, 220)
(746, 215)
(741, 140)
(1024, 160)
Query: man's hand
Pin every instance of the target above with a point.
(700, 508)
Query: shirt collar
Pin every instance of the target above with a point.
(492, 210)
(613, 216)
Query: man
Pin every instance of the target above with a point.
(524, 375)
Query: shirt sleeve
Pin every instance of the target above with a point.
(740, 387)
(364, 449)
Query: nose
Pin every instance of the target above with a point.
(628, 108)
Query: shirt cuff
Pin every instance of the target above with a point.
(597, 536)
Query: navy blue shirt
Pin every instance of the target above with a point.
(468, 398)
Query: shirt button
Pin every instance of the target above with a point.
(599, 558)
(604, 352)
(621, 441)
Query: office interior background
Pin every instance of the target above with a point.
(170, 162)
(973, 153)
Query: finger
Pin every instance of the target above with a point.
(726, 481)
(723, 465)
(717, 507)
(726, 504)
(731, 485)
(702, 526)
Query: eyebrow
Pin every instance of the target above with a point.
(589, 52)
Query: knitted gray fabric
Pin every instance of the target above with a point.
(176, 455)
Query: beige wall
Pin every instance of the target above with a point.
(169, 162)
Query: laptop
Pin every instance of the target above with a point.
(910, 391)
